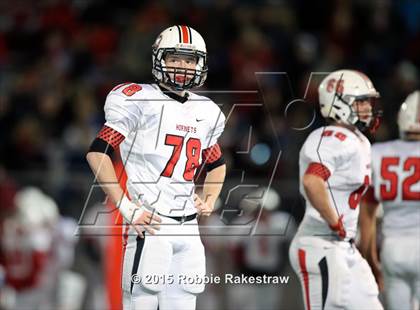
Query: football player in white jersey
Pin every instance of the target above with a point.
(334, 166)
(396, 185)
(164, 133)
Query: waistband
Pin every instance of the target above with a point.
(181, 219)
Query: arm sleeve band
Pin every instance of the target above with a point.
(106, 141)
(100, 146)
(319, 170)
(111, 136)
(212, 157)
(221, 161)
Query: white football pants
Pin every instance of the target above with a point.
(164, 269)
(333, 275)
(400, 257)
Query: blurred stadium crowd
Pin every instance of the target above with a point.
(59, 59)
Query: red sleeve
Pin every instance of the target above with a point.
(369, 196)
(319, 170)
(212, 154)
(110, 136)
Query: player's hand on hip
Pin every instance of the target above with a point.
(146, 221)
(339, 228)
(139, 217)
(203, 208)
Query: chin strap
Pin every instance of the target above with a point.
(376, 122)
(362, 126)
(373, 125)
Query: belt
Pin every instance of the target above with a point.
(181, 219)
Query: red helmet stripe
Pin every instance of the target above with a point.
(185, 35)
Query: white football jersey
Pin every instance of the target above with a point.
(163, 145)
(346, 154)
(396, 182)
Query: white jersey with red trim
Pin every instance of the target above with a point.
(396, 182)
(346, 155)
(163, 144)
(25, 253)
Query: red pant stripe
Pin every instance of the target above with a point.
(302, 264)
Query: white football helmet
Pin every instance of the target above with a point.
(339, 90)
(35, 208)
(185, 41)
(409, 114)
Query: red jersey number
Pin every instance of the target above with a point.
(131, 89)
(411, 164)
(192, 149)
(176, 142)
(355, 196)
(333, 84)
(389, 190)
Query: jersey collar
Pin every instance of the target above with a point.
(174, 96)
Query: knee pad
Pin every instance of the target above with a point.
(193, 270)
(364, 288)
(364, 276)
(339, 278)
(155, 263)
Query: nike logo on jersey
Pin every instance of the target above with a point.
(199, 120)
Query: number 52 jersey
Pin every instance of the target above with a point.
(164, 143)
(396, 184)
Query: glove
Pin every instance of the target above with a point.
(339, 228)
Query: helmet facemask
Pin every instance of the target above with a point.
(349, 112)
(339, 95)
(365, 121)
(179, 78)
